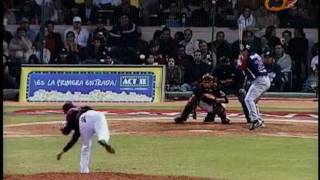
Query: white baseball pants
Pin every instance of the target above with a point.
(260, 85)
(90, 123)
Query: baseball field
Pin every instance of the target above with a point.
(150, 146)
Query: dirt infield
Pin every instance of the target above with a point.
(96, 176)
(157, 123)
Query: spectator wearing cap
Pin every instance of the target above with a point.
(298, 51)
(285, 62)
(275, 75)
(53, 39)
(25, 23)
(125, 33)
(190, 44)
(81, 34)
(100, 32)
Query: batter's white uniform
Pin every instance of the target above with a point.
(90, 123)
(259, 85)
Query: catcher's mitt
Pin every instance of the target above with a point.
(208, 98)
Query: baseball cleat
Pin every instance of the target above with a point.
(256, 124)
(209, 117)
(110, 149)
(179, 120)
(225, 121)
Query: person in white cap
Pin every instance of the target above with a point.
(82, 34)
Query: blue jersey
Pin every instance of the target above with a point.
(255, 65)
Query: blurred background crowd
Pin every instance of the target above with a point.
(116, 37)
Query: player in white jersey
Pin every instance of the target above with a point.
(85, 122)
(253, 64)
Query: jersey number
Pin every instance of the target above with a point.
(83, 119)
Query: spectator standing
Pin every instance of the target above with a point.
(246, 19)
(81, 34)
(191, 45)
(285, 62)
(298, 51)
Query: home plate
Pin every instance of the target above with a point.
(201, 130)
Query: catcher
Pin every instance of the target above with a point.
(208, 97)
(85, 122)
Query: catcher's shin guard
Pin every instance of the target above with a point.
(184, 115)
(221, 112)
(209, 117)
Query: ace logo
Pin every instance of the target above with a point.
(133, 81)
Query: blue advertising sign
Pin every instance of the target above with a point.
(97, 86)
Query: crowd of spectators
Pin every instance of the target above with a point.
(186, 59)
(172, 13)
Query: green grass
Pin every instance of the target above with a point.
(228, 157)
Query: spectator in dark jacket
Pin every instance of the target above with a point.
(125, 33)
(167, 43)
(220, 45)
(298, 51)
(53, 40)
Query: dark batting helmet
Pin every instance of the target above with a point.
(66, 106)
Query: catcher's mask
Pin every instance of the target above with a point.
(208, 80)
(66, 106)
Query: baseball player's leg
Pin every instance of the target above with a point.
(221, 111)
(102, 131)
(86, 132)
(186, 111)
(85, 156)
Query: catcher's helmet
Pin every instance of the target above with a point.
(207, 78)
(66, 106)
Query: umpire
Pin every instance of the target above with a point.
(231, 81)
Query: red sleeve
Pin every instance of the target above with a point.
(243, 64)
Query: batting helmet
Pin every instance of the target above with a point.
(66, 106)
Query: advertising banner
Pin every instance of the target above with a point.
(92, 84)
